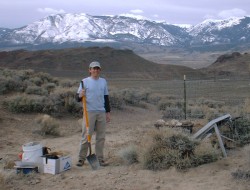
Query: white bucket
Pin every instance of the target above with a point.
(32, 152)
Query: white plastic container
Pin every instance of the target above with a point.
(32, 152)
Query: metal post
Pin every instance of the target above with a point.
(185, 98)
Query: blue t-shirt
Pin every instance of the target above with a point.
(95, 90)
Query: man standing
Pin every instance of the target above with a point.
(96, 91)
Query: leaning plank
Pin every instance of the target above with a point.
(202, 132)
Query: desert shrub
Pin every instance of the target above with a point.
(134, 97)
(3, 83)
(36, 90)
(116, 100)
(17, 75)
(169, 102)
(10, 85)
(37, 81)
(168, 147)
(5, 72)
(24, 74)
(62, 100)
(49, 86)
(25, 104)
(205, 153)
(19, 80)
(196, 112)
(129, 155)
(62, 93)
(243, 130)
(21, 74)
(210, 103)
(7, 173)
(29, 75)
(165, 104)
(58, 102)
(45, 78)
(7, 163)
(173, 113)
(65, 83)
(52, 105)
(9, 178)
(213, 114)
(52, 100)
(241, 174)
(48, 125)
(72, 106)
(158, 158)
(154, 98)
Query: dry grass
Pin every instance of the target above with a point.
(48, 125)
(129, 154)
(6, 170)
(7, 162)
(5, 178)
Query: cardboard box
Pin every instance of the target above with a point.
(65, 163)
(58, 165)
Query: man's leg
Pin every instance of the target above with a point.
(84, 141)
(100, 135)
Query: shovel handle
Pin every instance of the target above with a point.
(85, 113)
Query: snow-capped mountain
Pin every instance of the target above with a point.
(230, 31)
(82, 28)
(4, 31)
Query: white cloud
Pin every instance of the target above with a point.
(136, 11)
(232, 13)
(50, 10)
(139, 17)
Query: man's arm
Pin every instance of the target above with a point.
(78, 99)
(106, 103)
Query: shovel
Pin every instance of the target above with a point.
(92, 158)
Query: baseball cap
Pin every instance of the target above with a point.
(94, 64)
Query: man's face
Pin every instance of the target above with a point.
(95, 71)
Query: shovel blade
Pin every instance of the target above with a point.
(93, 161)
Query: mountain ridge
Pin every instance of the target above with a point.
(83, 28)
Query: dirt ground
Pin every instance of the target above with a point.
(127, 127)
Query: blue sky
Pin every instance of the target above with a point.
(18, 13)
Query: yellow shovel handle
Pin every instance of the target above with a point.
(85, 113)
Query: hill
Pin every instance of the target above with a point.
(74, 62)
(234, 65)
(123, 64)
